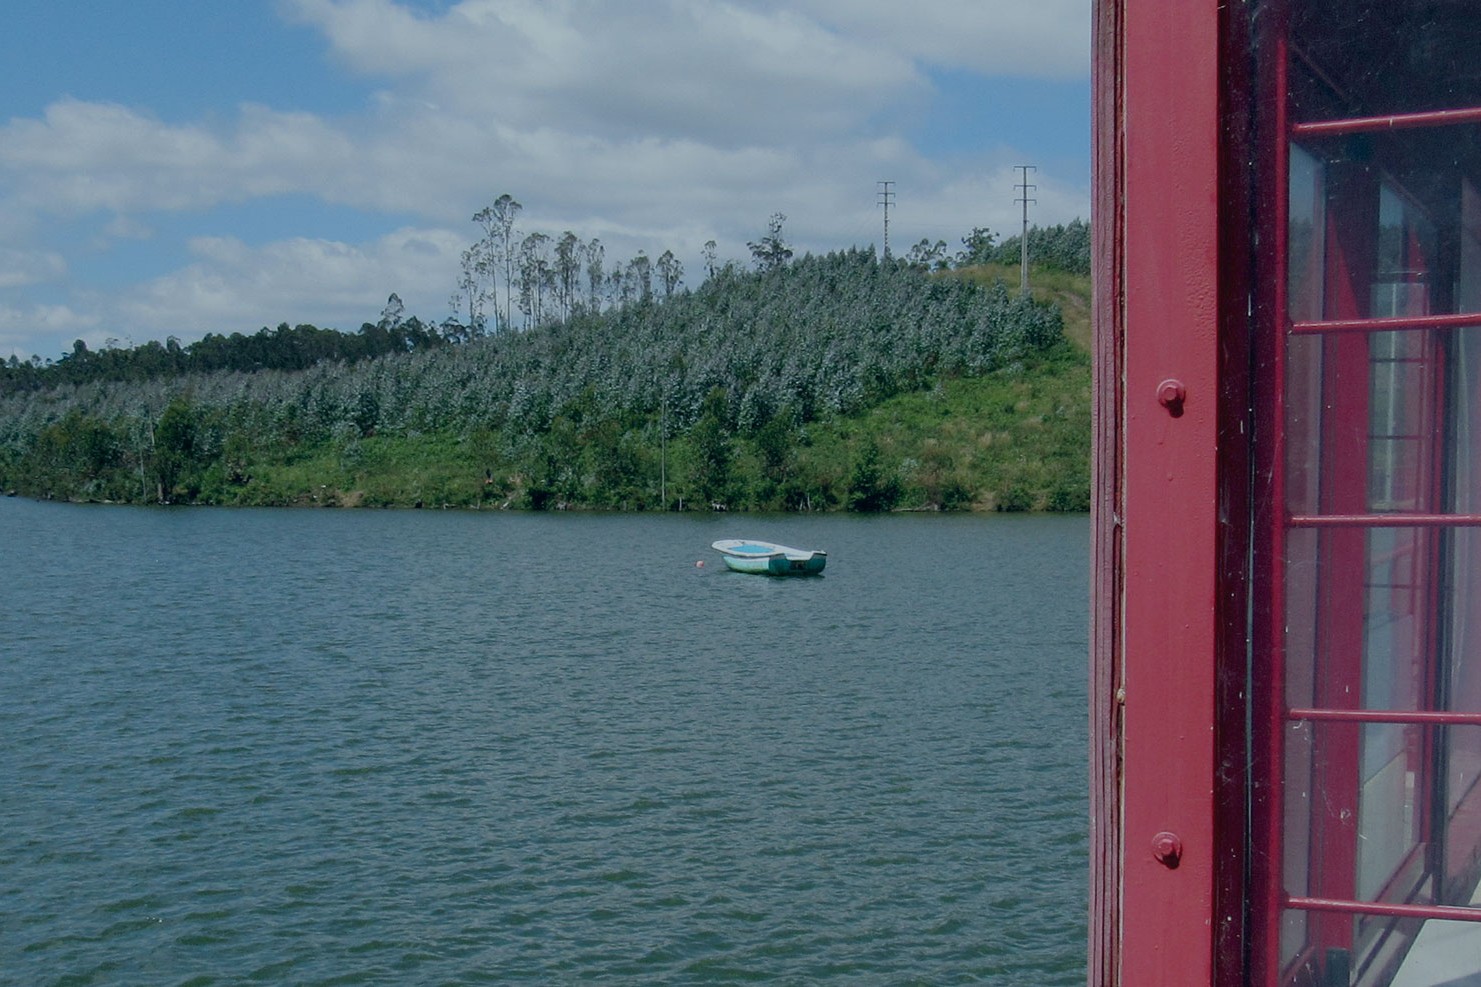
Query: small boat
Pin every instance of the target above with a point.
(766, 559)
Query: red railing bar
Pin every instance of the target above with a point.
(1396, 121)
(1451, 913)
(1395, 520)
(1391, 323)
(1416, 717)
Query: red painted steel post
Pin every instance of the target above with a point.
(1158, 190)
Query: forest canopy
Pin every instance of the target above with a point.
(593, 405)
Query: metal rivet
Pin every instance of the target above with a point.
(1171, 394)
(1167, 848)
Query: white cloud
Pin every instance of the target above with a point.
(635, 111)
(951, 208)
(654, 125)
(25, 267)
(665, 116)
(1045, 39)
(724, 72)
(235, 287)
(23, 329)
(82, 157)
(124, 228)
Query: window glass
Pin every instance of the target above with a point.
(1380, 582)
(1307, 243)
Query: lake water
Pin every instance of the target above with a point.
(365, 747)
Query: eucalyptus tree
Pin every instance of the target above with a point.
(708, 253)
(670, 273)
(568, 251)
(771, 252)
(621, 288)
(471, 295)
(596, 278)
(534, 277)
(391, 315)
(977, 247)
(927, 256)
(640, 273)
(498, 249)
(1065, 246)
(480, 266)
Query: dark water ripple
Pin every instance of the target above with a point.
(405, 748)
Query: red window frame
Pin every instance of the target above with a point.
(1192, 521)
(1347, 522)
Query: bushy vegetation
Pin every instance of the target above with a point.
(758, 390)
(1064, 247)
(283, 348)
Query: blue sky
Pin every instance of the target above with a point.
(177, 167)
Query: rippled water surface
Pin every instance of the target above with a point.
(364, 747)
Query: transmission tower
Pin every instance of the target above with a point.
(1025, 188)
(886, 197)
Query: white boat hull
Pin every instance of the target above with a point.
(768, 559)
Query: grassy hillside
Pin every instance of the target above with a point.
(836, 385)
(1003, 441)
(1070, 292)
(1011, 440)
(1014, 439)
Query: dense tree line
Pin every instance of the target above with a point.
(1064, 247)
(284, 348)
(509, 281)
(574, 410)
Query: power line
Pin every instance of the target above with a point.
(1025, 188)
(886, 197)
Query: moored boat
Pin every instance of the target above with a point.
(767, 559)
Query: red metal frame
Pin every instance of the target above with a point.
(1397, 121)
(1395, 520)
(1157, 471)
(1465, 320)
(1258, 958)
(1346, 329)
(1192, 521)
(1346, 333)
(1451, 913)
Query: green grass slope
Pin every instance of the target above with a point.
(1005, 430)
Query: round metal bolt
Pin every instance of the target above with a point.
(1171, 394)
(1167, 848)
